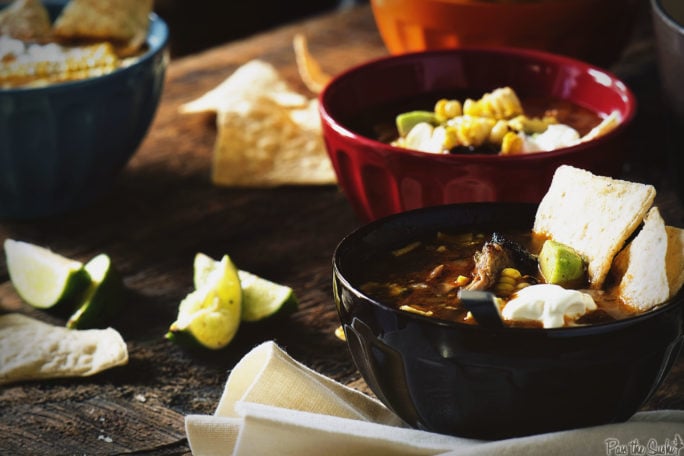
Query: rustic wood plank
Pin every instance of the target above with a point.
(93, 425)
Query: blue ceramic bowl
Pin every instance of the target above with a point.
(472, 381)
(62, 145)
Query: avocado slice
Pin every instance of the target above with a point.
(561, 264)
(407, 120)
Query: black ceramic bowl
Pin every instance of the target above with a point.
(476, 382)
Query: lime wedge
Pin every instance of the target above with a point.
(261, 298)
(210, 315)
(202, 267)
(104, 297)
(45, 279)
(265, 299)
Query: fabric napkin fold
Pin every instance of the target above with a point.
(272, 404)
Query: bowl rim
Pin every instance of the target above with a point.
(561, 332)
(157, 40)
(666, 16)
(627, 94)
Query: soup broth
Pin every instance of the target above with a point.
(426, 275)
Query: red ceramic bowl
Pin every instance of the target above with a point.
(379, 179)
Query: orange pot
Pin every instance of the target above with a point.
(592, 30)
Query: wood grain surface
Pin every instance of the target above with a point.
(163, 209)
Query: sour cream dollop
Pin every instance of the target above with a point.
(555, 136)
(549, 304)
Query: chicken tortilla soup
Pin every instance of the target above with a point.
(427, 275)
(598, 252)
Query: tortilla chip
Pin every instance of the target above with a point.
(642, 265)
(310, 71)
(595, 215)
(261, 143)
(122, 21)
(607, 125)
(674, 259)
(255, 78)
(268, 135)
(26, 20)
(33, 350)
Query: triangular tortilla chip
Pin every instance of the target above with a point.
(642, 265)
(124, 22)
(268, 134)
(33, 350)
(310, 71)
(26, 20)
(255, 78)
(261, 143)
(595, 215)
(675, 259)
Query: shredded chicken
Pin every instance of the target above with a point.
(488, 264)
(497, 254)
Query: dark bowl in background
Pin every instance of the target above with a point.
(484, 383)
(63, 145)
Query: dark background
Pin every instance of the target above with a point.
(200, 24)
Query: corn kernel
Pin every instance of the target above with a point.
(507, 280)
(511, 144)
(511, 272)
(339, 333)
(450, 138)
(503, 289)
(499, 129)
(462, 280)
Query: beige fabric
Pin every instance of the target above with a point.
(274, 405)
(267, 375)
(31, 350)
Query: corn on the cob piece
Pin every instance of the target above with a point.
(502, 103)
(470, 130)
(46, 64)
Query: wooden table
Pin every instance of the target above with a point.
(164, 209)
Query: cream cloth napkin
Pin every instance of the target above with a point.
(274, 405)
